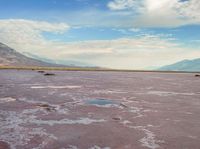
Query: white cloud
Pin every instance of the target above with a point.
(135, 30)
(123, 4)
(19, 30)
(131, 53)
(26, 35)
(160, 13)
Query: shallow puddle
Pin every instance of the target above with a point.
(101, 102)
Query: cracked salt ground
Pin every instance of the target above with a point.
(46, 107)
(15, 132)
(148, 141)
(46, 115)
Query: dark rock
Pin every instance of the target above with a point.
(123, 105)
(49, 74)
(41, 71)
(197, 75)
(116, 118)
(47, 107)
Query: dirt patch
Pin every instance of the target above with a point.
(4, 145)
(47, 107)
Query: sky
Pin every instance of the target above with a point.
(122, 34)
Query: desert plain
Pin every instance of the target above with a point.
(99, 110)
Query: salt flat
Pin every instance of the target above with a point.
(99, 110)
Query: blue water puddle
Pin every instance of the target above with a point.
(101, 102)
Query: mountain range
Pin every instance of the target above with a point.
(10, 57)
(67, 62)
(185, 65)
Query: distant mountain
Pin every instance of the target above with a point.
(185, 65)
(71, 63)
(10, 57)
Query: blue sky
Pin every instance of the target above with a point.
(125, 34)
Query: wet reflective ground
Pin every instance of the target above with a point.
(99, 110)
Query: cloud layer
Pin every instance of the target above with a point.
(160, 13)
(27, 35)
(139, 52)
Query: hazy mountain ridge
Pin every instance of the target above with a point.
(185, 65)
(71, 63)
(10, 57)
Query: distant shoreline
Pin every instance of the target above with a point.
(88, 69)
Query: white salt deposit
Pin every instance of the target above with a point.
(56, 87)
(97, 147)
(149, 140)
(163, 93)
(83, 121)
(71, 147)
(7, 99)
